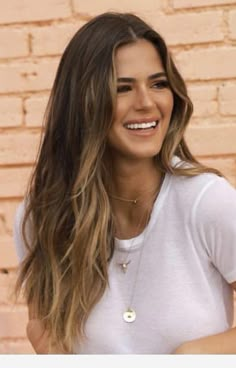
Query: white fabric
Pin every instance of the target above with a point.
(188, 259)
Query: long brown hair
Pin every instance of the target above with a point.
(67, 208)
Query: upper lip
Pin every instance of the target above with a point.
(141, 120)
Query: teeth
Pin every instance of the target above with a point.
(142, 125)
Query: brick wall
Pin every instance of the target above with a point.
(33, 34)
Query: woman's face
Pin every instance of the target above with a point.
(144, 102)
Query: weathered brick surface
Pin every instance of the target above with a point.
(10, 111)
(8, 258)
(28, 10)
(13, 42)
(21, 346)
(232, 24)
(190, 28)
(13, 322)
(220, 139)
(97, 7)
(34, 110)
(27, 76)
(7, 282)
(177, 4)
(18, 149)
(7, 213)
(227, 99)
(52, 40)
(204, 99)
(206, 64)
(13, 181)
(33, 35)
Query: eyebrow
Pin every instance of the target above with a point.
(130, 80)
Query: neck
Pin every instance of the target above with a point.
(133, 181)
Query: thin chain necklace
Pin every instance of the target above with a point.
(133, 201)
(129, 315)
(124, 264)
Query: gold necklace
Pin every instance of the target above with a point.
(129, 315)
(124, 264)
(136, 200)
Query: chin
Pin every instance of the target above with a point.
(145, 155)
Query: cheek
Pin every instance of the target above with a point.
(168, 103)
(120, 111)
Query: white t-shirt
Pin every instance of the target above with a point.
(179, 273)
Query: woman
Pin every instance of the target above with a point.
(129, 243)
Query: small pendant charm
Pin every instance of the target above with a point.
(124, 266)
(129, 315)
(135, 201)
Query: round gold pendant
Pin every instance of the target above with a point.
(129, 315)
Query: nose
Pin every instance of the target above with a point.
(143, 99)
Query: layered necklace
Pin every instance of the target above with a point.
(129, 315)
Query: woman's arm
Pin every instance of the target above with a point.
(222, 343)
(38, 336)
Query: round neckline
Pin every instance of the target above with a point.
(135, 243)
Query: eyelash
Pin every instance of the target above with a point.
(162, 84)
(159, 85)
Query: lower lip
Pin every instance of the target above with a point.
(143, 132)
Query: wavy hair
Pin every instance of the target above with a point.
(67, 207)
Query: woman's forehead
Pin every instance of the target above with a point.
(137, 57)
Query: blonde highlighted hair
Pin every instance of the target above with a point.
(67, 207)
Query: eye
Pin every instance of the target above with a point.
(161, 84)
(124, 88)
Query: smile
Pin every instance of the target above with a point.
(142, 125)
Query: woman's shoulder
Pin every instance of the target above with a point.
(208, 188)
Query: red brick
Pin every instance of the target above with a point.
(190, 28)
(212, 140)
(18, 148)
(17, 347)
(97, 7)
(177, 4)
(232, 24)
(212, 63)
(227, 93)
(10, 111)
(35, 109)
(13, 181)
(13, 322)
(52, 40)
(204, 100)
(28, 10)
(27, 76)
(14, 43)
(8, 258)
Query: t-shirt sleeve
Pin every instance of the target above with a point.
(215, 221)
(17, 232)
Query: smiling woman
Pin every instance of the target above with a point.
(125, 240)
(144, 102)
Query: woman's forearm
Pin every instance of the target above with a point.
(39, 338)
(222, 343)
